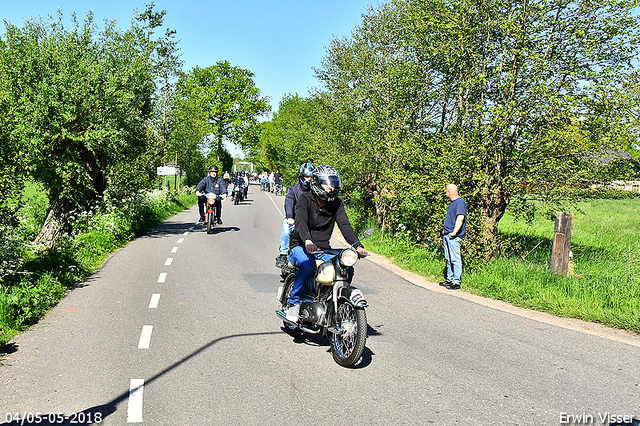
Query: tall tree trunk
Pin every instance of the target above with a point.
(494, 204)
(56, 223)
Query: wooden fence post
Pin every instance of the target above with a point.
(561, 243)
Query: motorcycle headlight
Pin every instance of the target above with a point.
(348, 257)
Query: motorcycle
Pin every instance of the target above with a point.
(210, 215)
(331, 306)
(279, 189)
(238, 193)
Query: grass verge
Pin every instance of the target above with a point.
(604, 283)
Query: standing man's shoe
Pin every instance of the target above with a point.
(444, 283)
(453, 286)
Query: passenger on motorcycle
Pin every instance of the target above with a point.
(238, 184)
(264, 182)
(211, 184)
(290, 201)
(317, 213)
(245, 177)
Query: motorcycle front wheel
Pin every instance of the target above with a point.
(347, 347)
(209, 222)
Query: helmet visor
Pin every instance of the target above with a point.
(331, 180)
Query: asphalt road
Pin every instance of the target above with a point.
(195, 341)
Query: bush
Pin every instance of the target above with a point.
(28, 302)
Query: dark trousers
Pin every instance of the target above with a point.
(202, 201)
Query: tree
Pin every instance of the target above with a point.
(80, 102)
(12, 170)
(289, 136)
(501, 97)
(187, 128)
(231, 103)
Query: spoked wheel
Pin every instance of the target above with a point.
(347, 347)
(209, 222)
(288, 286)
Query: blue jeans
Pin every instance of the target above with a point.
(285, 237)
(306, 264)
(453, 258)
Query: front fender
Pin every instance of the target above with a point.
(353, 296)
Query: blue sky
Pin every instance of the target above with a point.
(279, 41)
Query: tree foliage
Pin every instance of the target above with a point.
(294, 135)
(80, 97)
(503, 98)
(12, 170)
(231, 103)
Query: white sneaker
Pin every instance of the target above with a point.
(293, 313)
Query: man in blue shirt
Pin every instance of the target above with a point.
(453, 232)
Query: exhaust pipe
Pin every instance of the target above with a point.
(283, 317)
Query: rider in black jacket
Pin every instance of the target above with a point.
(317, 213)
(211, 184)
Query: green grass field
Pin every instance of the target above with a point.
(604, 284)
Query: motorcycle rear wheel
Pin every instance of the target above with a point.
(292, 330)
(348, 346)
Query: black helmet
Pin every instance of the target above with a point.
(305, 170)
(325, 175)
(213, 168)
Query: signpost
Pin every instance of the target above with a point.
(166, 171)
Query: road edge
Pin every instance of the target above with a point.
(582, 326)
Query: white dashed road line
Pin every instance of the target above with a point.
(155, 299)
(136, 386)
(134, 409)
(276, 206)
(145, 337)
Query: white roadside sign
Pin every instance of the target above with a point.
(166, 171)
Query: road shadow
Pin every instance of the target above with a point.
(167, 228)
(219, 229)
(321, 341)
(262, 283)
(245, 202)
(97, 414)
(7, 349)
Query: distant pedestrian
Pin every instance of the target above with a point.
(272, 183)
(453, 232)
